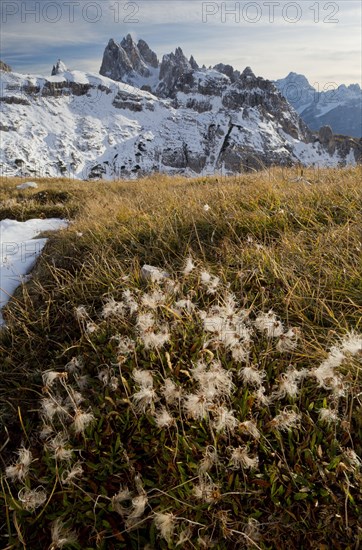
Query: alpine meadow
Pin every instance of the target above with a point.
(183, 369)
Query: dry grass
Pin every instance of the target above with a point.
(277, 241)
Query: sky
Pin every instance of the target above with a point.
(321, 39)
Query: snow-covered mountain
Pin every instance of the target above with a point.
(340, 108)
(170, 116)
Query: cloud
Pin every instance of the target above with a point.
(212, 31)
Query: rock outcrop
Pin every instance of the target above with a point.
(126, 61)
(5, 67)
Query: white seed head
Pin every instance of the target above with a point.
(170, 391)
(286, 420)
(61, 535)
(328, 416)
(224, 420)
(163, 418)
(59, 447)
(112, 309)
(268, 323)
(250, 427)
(130, 301)
(68, 476)
(32, 498)
(19, 471)
(250, 375)
(145, 398)
(82, 420)
(241, 459)
(154, 299)
(189, 266)
(143, 378)
(165, 523)
(196, 405)
(153, 340)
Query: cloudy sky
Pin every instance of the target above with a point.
(321, 39)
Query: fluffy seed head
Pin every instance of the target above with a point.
(165, 523)
(241, 459)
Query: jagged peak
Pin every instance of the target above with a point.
(148, 55)
(247, 72)
(59, 68)
(193, 63)
(128, 41)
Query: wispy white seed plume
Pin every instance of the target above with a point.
(241, 459)
(250, 427)
(143, 378)
(189, 266)
(31, 499)
(144, 399)
(269, 324)
(286, 420)
(329, 416)
(20, 470)
(112, 308)
(165, 523)
(82, 420)
(163, 418)
(224, 420)
(61, 535)
(171, 392)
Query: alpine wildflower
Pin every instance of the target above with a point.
(61, 535)
(286, 420)
(165, 523)
(268, 322)
(82, 420)
(145, 398)
(250, 427)
(68, 476)
(241, 459)
(112, 308)
(32, 498)
(224, 420)
(163, 418)
(189, 266)
(20, 469)
(58, 447)
(170, 391)
(250, 375)
(209, 459)
(329, 416)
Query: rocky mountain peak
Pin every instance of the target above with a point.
(147, 54)
(193, 63)
(127, 61)
(134, 55)
(59, 68)
(227, 70)
(248, 73)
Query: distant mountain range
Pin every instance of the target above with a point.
(339, 107)
(142, 115)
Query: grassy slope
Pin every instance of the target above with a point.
(279, 244)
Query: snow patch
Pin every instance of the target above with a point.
(19, 251)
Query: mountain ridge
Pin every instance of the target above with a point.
(339, 107)
(159, 116)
